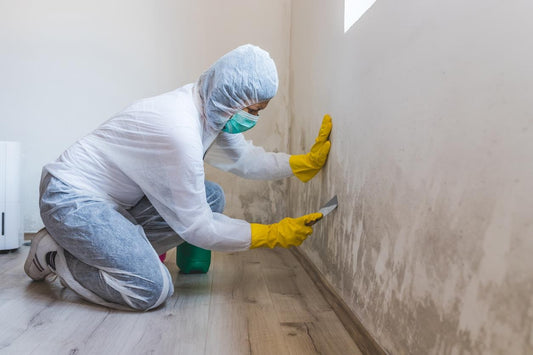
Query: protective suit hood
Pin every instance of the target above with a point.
(244, 76)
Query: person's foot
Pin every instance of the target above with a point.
(41, 258)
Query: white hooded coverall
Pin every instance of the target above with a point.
(156, 148)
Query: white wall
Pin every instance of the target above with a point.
(66, 66)
(432, 161)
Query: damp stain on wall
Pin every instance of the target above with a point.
(431, 161)
(427, 267)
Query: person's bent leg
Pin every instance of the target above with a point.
(157, 230)
(104, 257)
(215, 196)
(190, 259)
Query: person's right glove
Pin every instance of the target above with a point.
(286, 233)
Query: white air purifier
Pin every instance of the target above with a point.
(11, 231)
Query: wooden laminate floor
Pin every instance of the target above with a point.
(255, 302)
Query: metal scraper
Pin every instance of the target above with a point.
(326, 209)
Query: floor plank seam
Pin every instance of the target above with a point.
(259, 302)
(359, 334)
(211, 279)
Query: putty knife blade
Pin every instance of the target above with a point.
(326, 209)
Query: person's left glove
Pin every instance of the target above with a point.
(306, 166)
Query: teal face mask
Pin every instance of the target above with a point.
(240, 122)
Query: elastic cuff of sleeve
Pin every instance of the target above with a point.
(260, 234)
(301, 169)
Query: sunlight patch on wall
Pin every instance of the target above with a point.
(353, 10)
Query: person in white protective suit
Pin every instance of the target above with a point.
(135, 187)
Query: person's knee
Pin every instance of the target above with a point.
(153, 293)
(215, 197)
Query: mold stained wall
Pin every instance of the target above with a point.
(66, 67)
(432, 151)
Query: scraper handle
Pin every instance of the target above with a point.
(309, 224)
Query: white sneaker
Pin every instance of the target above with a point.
(41, 258)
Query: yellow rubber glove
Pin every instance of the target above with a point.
(286, 233)
(306, 166)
